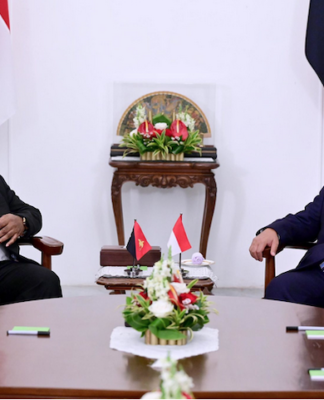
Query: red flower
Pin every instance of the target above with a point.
(146, 129)
(142, 294)
(177, 278)
(187, 296)
(168, 132)
(178, 128)
(186, 395)
(173, 296)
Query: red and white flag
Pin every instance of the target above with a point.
(178, 238)
(7, 93)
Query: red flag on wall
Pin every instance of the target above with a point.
(137, 245)
(7, 94)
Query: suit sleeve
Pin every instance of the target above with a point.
(303, 226)
(18, 207)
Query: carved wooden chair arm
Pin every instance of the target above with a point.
(270, 266)
(46, 245)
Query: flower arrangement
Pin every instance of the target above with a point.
(160, 138)
(165, 310)
(175, 383)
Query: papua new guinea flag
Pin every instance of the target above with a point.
(137, 244)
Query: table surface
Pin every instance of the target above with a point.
(256, 357)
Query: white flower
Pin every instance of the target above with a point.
(161, 308)
(140, 116)
(161, 126)
(133, 132)
(184, 381)
(187, 120)
(180, 287)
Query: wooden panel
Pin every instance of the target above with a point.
(119, 256)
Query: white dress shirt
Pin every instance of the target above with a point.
(4, 255)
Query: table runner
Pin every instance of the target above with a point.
(194, 272)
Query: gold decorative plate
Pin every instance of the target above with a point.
(164, 103)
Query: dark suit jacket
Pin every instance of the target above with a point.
(305, 226)
(11, 203)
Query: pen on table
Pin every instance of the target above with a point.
(304, 328)
(32, 333)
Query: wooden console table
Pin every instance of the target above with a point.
(165, 174)
(120, 285)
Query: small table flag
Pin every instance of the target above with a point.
(178, 239)
(137, 244)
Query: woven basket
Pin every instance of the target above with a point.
(148, 156)
(150, 338)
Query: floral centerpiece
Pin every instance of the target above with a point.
(165, 311)
(175, 383)
(159, 138)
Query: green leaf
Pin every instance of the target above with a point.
(192, 283)
(197, 327)
(141, 147)
(144, 303)
(161, 118)
(178, 150)
(161, 323)
(170, 334)
(190, 321)
(154, 330)
(136, 322)
(128, 301)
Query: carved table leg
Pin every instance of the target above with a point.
(208, 292)
(210, 200)
(116, 198)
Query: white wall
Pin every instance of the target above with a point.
(268, 119)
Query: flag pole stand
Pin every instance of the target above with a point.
(133, 271)
(180, 266)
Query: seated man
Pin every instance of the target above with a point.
(21, 279)
(305, 283)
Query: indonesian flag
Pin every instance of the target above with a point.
(7, 96)
(178, 239)
(137, 245)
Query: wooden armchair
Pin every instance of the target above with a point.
(46, 245)
(270, 266)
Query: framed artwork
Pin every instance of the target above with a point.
(167, 103)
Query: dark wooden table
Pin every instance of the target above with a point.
(256, 357)
(119, 285)
(165, 175)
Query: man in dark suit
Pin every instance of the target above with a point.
(305, 283)
(21, 279)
